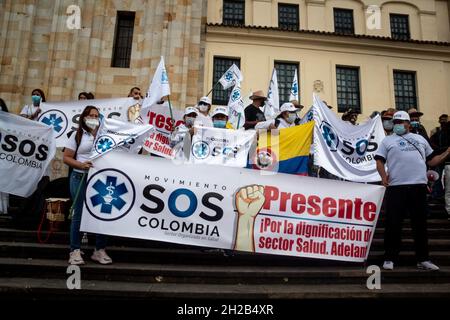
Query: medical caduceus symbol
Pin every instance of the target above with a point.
(109, 197)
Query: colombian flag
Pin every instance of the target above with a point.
(284, 150)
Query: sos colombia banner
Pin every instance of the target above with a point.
(230, 208)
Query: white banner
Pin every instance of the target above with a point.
(64, 116)
(272, 105)
(158, 116)
(114, 134)
(345, 150)
(230, 208)
(26, 149)
(221, 146)
(236, 108)
(159, 86)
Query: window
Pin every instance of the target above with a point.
(234, 12)
(343, 21)
(405, 90)
(123, 39)
(288, 16)
(400, 27)
(221, 65)
(285, 75)
(347, 83)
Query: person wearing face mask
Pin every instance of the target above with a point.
(220, 118)
(286, 118)
(204, 107)
(388, 123)
(406, 156)
(32, 111)
(253, 112)
(416, 126)
(76, 155)
(180, 138)
(440, 141)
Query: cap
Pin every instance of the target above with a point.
(220, 110)
(288, 106)
(205, 100)
(190, 110)
(401, 115)
(414, 113)
(388, 114)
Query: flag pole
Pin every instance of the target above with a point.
(214, 86)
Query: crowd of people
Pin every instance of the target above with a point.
(402, 161)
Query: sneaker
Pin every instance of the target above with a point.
(427, 265)
(388, 265)
(75, 257)
(101, 257)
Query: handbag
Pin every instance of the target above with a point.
(55, 213)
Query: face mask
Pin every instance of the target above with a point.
(291, 118)
(36, 100)
(190, 121)
(219, 124)
(92, 123)
(388, 125)
(415, 124)
(203, 107)
(399, 129)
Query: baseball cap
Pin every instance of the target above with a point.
(288, 106)
(401, 115)
(190, 110)
(220, 110)
(205, 100)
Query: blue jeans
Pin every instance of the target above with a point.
(76, 178)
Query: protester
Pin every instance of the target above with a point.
(388, 123)
(406, 155)
(440, 141)
(350, 116)
(135, 109)
(180, 138)
(32, 111)
(204, 107)
(286, 118)
(85, 96)
(253, 113)
(220, 118)
(299, 108)
(416, 126)
(76, 155)
(443, 119)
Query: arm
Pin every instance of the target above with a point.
(382, 172)
(269, 124)
(69, 159)
(437, 160)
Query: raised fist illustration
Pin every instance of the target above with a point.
(249, 200)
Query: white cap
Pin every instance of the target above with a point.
(205, 100)
(401, 115)
(190, 110)
(288, 106)
(220, 110)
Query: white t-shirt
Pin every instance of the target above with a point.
(203, 121)
(29, 110)
(84, 150)
(404, 163)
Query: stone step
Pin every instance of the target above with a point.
(196, 255)
(215, 274)
(35, 288)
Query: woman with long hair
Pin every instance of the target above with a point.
(76, 155)
(32, 111)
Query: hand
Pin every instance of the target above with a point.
(272, 126)
(249, 200)
(385, 181)
(86, 165)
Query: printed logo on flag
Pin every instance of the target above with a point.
(229, 75)
(110, 195)
(55, 119)
(294, 89)
(329, 136)
(104, 143)
(265, 159)
(164, 77)
(235, 95)
(200, 150)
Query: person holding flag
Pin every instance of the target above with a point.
(76, 155)
(204, 106)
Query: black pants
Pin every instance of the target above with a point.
(401, 200)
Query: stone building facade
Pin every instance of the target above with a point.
(42, 47)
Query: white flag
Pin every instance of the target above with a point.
(236, 108)
(159, 87)
(345, 150)
(272, 106)
(114, 134)
(294, 88)
(232, 76)
(26, 149)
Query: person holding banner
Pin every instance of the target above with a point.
(286, 118)
(204, 107)
(180, 138)
(220, 118)
(76, 155)
(32, 111)
(406, 156)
